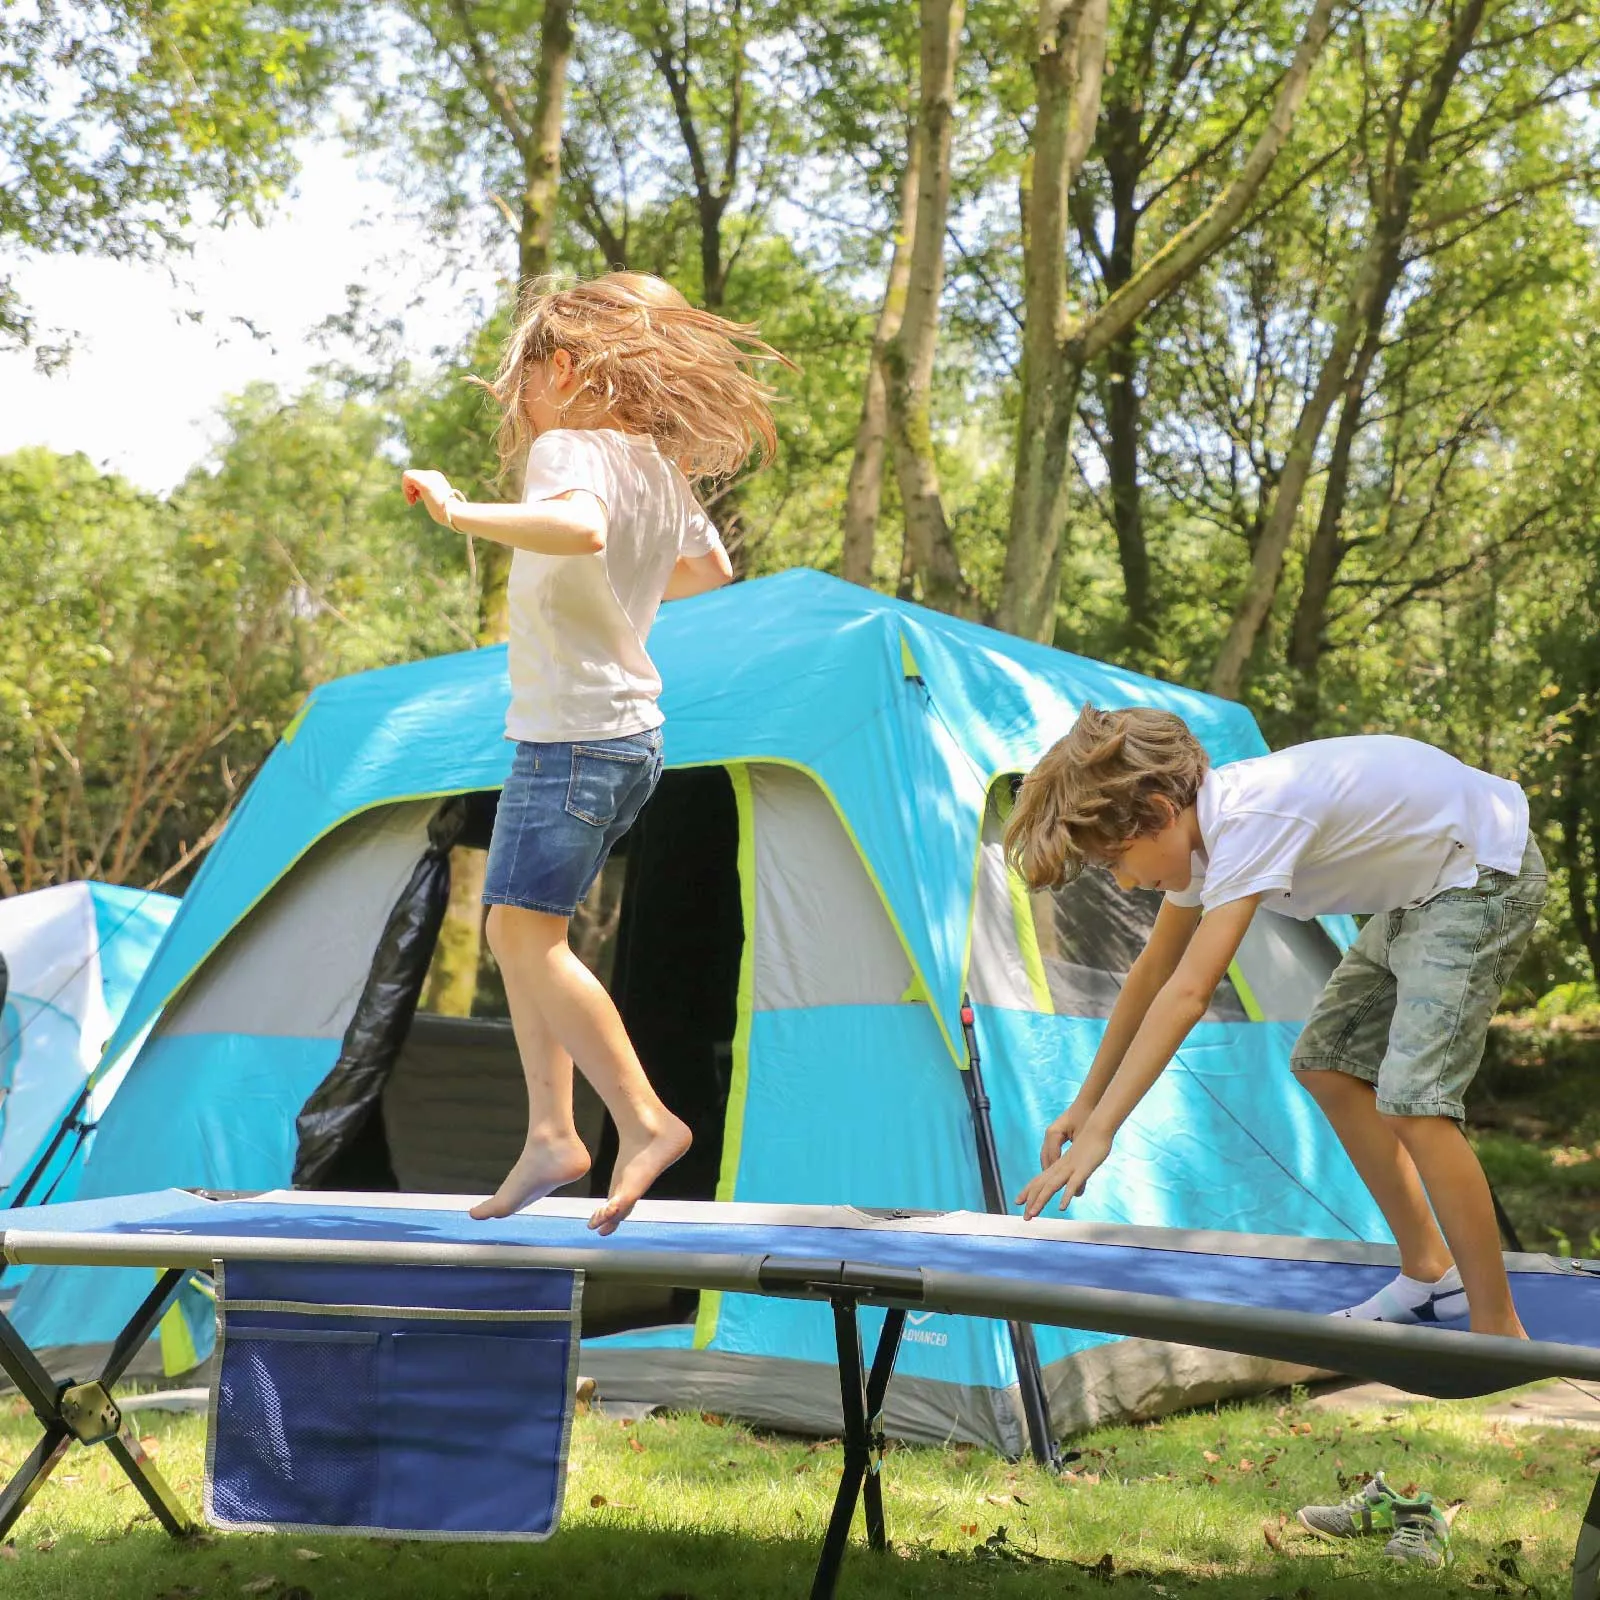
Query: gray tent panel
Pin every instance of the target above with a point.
(997, 975)
(822, 936)
(296, 966)
(1287, 963)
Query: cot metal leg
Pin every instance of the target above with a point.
(1586, 1562)
(862, 1396)
(85, 1412)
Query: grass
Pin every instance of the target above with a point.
(686, 1508)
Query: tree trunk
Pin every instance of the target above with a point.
(1123, 120)
(1326, 551)
(454, 979)
(1068, 72)
(541, 179)
(864, 492)
(908, 356)
(1375, 279)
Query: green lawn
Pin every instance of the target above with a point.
(678, 1507)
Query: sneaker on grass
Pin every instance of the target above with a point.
(1370, 1510)
(1421, 1535)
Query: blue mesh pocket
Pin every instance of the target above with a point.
(431, 1401)
(298, 1445)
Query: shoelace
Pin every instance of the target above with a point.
(1412, 1538)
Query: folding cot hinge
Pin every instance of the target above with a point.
(89, 1413)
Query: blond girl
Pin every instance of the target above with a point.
(616, 394)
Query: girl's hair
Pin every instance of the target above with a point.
(654, 362)
(1116, 776)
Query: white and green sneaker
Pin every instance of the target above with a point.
(1371, 1509)
(1421, 1535)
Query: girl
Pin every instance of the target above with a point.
(625, 392)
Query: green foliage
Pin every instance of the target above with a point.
(114, 115)
(157, 649)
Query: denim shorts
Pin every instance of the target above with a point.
(561, 813)
(1408, 1008)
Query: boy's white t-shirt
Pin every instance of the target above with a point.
(1360, 825)
(579, 668)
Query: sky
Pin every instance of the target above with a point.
(141, 392)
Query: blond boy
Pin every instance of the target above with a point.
(1438, 856)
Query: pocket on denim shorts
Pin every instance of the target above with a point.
(602, 778)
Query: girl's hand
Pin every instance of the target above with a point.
(1069, 1174)
(431, 488)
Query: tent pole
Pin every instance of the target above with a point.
(1030, 1377)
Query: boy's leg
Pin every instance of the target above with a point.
(553, 1154)
(1385, 1166)
(1451, 957)
(1337, 1059)
(1460, 1193)
(532, 949)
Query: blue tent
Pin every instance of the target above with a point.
(74, 954)
(827, 838)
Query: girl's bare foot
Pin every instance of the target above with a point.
(642, 1157)
(543, 1166)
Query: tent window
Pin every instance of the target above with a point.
(1090, 933)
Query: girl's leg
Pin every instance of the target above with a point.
(535, 959)
(1386, 1167)
(1460, 1194)
(553, 1154)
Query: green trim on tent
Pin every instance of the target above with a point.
(705, 1322)
(1247, 995)
(908, 662)
(918, 988)
(1028, 943)
(178, 1353)
(287, 736)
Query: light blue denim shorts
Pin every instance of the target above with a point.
(1408, 1008)
(561, 813)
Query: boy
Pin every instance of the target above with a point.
(1436, 853)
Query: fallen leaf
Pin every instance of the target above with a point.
(969, 1528)
(635, 1446)
(1246, 1464)
(712, 1420)
(148, 1444)
(1270, 1534)
(309, 1555)
(261, 1585)
(45, 1546)
(1211, 1456)
(9, 1552)
(596, 1501)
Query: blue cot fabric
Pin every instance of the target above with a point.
(412, 1401)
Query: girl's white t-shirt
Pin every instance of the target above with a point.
(579, 667)
(1360, 825)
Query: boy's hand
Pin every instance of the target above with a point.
(1069, 1174)
(431, 488)
(1061, 1132)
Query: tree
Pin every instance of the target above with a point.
(115, 117)
(1058, 344)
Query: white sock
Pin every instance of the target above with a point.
(1412, 1300)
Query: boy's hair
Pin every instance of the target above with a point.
(656, 363)
(1100, 787)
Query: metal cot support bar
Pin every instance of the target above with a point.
(86, 1412)
(862, 1398)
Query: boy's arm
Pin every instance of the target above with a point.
(1157, 962)
(1180, 1003)
(571, 524)
(699, 574)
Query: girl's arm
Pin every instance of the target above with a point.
(1181, 1003)
(699, 574)
(573, 524)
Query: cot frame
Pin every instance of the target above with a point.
(1421, 1359)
